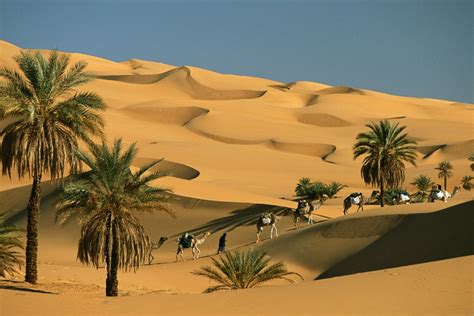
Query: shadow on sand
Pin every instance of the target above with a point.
(418, 239)
(240, 217)
(22, 287)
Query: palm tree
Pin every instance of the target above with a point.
(302, 187)
(444, 168)
(333, 188)
(48, 119)
(105, 199)
(242, 270)
(386, 147)
(10, 260)
(466, 182)
(423, 183)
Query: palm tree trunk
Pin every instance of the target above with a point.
(382, 191)
(112, 280)
(33, 209)
(445, 183)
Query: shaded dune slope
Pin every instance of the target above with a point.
(340, 90)
(364, 242)
(451, 151)
(419, 238)
(321, 119)
(165, 115)
(310, 149)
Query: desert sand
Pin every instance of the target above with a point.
(234, 147)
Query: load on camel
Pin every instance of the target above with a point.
(189, 241)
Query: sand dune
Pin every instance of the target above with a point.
(165, 115)
(317, 150)
(322, 120)
(340, 90)
(451, 151)
(234, 147)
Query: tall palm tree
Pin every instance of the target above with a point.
(444, 168)
(386, 148)
(10, 260)
(242, 270)
(105, 200)
(48, 119)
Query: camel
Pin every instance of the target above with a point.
(155, 246)
(305, 208)
(401, 198)
(442, 195)
(267, 219)
(354, 199)
(188, 241)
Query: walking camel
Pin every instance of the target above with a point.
(305, 208)
(402, 198)
(442, 195)
(155, 246)
(189, 241)
(354, 199)
(267, 219)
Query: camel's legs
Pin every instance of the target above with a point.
(180, 253)
(296, 221)
(259, 230)
(196, 252)
(276, 231)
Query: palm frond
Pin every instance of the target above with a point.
(242, 270)
(10, 242)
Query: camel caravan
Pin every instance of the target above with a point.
(305, 210)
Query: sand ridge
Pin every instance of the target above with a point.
(233, 148)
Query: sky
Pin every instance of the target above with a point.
(418, 48)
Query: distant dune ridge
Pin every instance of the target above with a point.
(234, 147)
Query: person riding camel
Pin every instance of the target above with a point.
(186, 240)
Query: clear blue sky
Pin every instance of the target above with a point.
(409, 47)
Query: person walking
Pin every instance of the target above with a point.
(222, 241)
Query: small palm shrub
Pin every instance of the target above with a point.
(466, 183)
(471, 158)
(333, 188)
(10, 261)
(316, 190)
(422, 183)
(243, 270)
